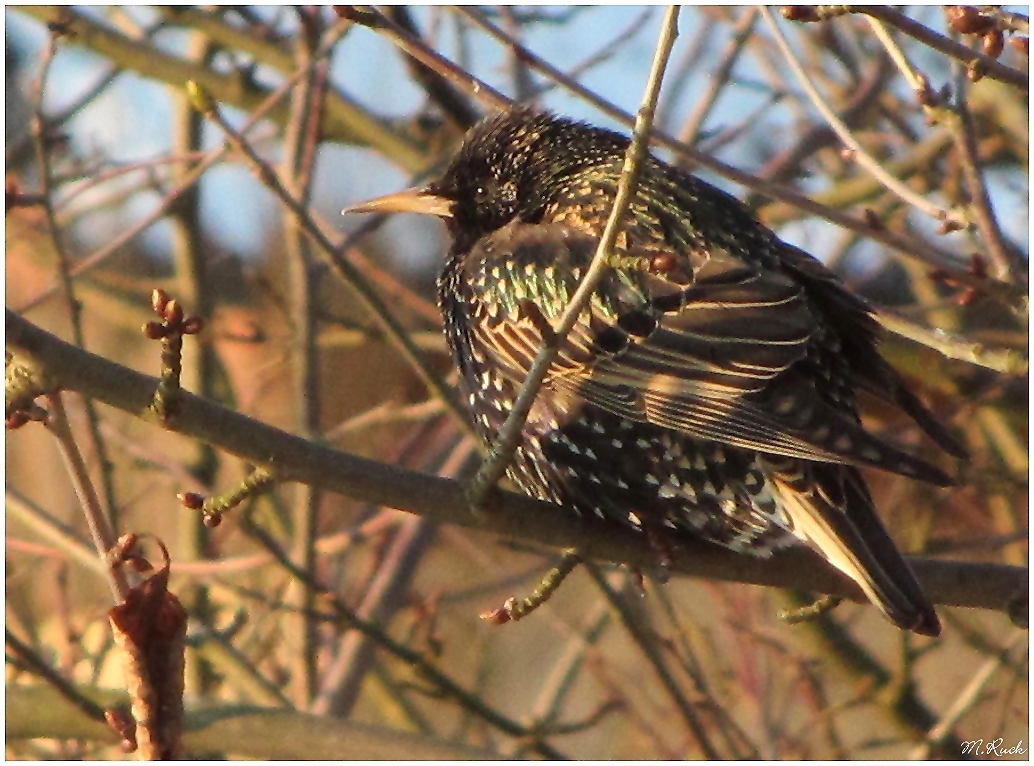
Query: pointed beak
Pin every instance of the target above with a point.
(409, 201)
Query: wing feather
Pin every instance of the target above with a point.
(727, 358)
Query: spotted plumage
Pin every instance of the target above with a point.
(708, 389)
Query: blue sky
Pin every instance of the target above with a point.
(131, 121)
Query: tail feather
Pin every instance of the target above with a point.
(933, 428)
(884, 382)
(831, 509)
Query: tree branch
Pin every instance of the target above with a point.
(949, 583)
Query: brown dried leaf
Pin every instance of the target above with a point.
(150, 629)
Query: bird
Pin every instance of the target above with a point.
(708, 390)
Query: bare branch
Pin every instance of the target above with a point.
(949, 583)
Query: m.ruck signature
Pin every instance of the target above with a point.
(993, 747)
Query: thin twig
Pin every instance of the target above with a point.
(350, 275)
(605, 52)
(916, 81)
(896, 702)
(510, 433)
(13, 152)
(100, 531)
(301, 139)
(195, 291)
(514, 609)
(341, 681)
(383, 413)
(787, 162)
(422, 53)
(1005, 360)
(90, 179)
(719, 77)
(1007, 263)
(235, 669)
(968, 697)
(452, 103)
(647, 643)
(989, 66)
(42, 137)
(680, 75)
(38, 666)
(561, 678)
(859, 155)
(448, 687)
(736, 739)
(161, 210)
(343, 120)
(43, 525)
(67, 545)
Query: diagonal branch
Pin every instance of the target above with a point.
(991, 67)
(346, 270)
(859, 155)
(510, 433)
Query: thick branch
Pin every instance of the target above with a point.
(950, 583)
(38, 711)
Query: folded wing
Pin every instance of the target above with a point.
(761, 359)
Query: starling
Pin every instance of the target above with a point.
(709, 388)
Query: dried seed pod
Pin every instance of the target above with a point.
(123, 549)
(191, 500)
(159, 300)
(805, 13)
(967, 20)
(498, 616)
(137, 563)
(173, 313)
(193, 325)
(150, 628)
(993, 43)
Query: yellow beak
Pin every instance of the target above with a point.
(408, 201)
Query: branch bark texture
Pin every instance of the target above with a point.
(948, 583)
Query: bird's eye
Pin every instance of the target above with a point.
(481, 195)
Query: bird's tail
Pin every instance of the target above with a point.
(831, 509)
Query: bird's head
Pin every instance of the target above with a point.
(510, 166)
